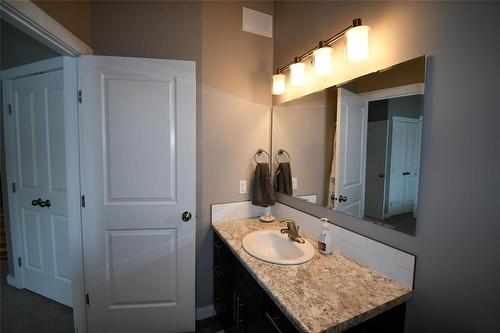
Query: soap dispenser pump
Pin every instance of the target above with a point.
(325, 241)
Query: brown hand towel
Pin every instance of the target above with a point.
(263, 194)
(284, 178)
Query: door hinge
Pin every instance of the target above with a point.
(79, 96)
(87, 299)
(10, 109)
(83, 201)
(19, 261)
(13, 187)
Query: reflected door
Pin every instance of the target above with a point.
(350, 158)
(137, 127)
(405, 165)
(37, 122)
(376, 157)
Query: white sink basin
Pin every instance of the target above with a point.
(274, 247)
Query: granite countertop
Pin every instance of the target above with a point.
(327, 294)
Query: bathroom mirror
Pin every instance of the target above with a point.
(355, 147)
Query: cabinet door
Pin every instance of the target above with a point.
(274, 321)
(247, 318)
(222, 283)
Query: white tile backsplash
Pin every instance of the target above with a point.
(235, 210)
(397, 273)
(388, 261)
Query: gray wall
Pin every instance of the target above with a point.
(457, 279)
(299, 127)
(233, 97)
(17, 48)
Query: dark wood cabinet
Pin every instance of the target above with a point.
(243, 306)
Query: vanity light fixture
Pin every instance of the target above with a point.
(357, 41)
(323, 59)
(298, 70)
(278, 83)
(357, 49)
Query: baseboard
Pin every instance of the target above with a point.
(11, 281)
(205, 312)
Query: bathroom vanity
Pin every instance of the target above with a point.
(326, 294)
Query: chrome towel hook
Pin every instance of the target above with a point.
(283, 155)
(259, 153)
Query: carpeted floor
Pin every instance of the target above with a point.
(23, 311)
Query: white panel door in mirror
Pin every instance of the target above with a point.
(140, 135)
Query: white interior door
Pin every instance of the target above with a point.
(137, 133)
(405, 165)
(38, 141)
(352, 120)
(376, 156)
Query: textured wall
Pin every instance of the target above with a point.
(458, 271)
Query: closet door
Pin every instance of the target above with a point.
(398, 168)
(37, 123)
(405, 165)
(412, 162)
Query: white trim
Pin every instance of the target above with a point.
(11, 216)
(70, 82)
(401, 91)
(29, 18)
(205, 312)
(11, 281)
(42, 66)
(69, 66)
(407, 119)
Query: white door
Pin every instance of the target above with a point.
(37, 127)
(352, 120)
(376, 156)
(137, 134)
(405, 165)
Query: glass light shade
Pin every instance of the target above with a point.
(323, 61)
(278, 84)
(358, 43)
(298, 74)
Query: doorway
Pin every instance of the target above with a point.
(36, 270)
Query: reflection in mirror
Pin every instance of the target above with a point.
(355, 147)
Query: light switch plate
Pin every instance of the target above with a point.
(294, 183)
(243, 186)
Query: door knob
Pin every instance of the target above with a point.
(41, 203)
(381, 175)
(333, 197)
(186, 216)
(342, 198)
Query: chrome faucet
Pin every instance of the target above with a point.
(292, 230)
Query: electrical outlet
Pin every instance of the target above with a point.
(294, 183)
(243, 186)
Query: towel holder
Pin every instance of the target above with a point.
(259, 153)
(281, 154)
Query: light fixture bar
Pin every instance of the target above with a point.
(356, 22)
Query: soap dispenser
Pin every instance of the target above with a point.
(325, 241)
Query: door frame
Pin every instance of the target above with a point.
(69, 67)
(30, 19)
